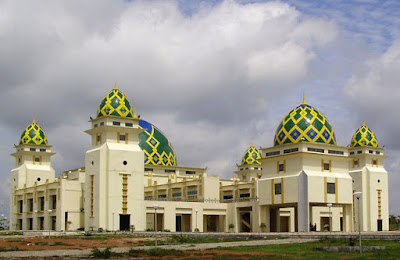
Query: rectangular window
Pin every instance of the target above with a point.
(335, 152)
(95, 125)
(190, 172)
(291, 150)
(355, 163)
(370, 151)
(377, 152)
(359, 152)
(101, 123)
(331, 188)
(30, 205)
(192, 192)
(273, 153)
(326, 166)
(148, 169)
(228, 197)
(374, 162)
(19, 160)
(281, 167)
(176, 194)
(54, 201)
(244, 195)
(37, 159)
(122, 137)
(116, 123)
(317, 150)
(42, 150)
(128, 124)
(98, 139)
(351, 153)
(20, 206)
(32, 149)
(278, 188)
(41, 200)
(162, 196)
(169, 171)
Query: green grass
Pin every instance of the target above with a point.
(307, 250)
(184, 239)
(11, 233)
(157, 252)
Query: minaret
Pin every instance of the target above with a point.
(369, 177)
(32, 163)
(250, 166)
(114, 191)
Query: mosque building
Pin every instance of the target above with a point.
(131, 180)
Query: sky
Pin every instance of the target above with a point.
(214, 76)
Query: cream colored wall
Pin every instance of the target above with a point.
(318, 212)
(169, 210)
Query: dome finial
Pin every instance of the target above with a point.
(363, 124)
(115, 87)
(33, 120)
(304, 98)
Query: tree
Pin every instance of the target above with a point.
(4, 225)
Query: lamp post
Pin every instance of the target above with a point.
(330, 218)
(358, 196)
(196, 220)
(155, 221)
(49, 210)
(113, 221)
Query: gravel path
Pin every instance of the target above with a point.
(87, 252)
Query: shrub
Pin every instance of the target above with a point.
(181, 239)
(88, 234)
(97, 253)
(231, 226)
(352, 241)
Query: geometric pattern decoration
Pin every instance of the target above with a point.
(33, 134)
(251, 156)
(156, 147)
(364, 136)
(304, 124)
(115, 104)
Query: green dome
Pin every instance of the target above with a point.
(251, 156)
(115, 104)
(33, 134)
(364, 136)
(304, 124)
(156, 147)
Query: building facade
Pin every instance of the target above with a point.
(131, 180)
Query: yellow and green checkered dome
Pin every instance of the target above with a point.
(364, 136)
(33, 134)
(304, 124)
(156, 147)
(251, 156)
(115, 104)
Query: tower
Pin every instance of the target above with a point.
(251, 165)
(369, 177)
(114, 165)
(32, 166)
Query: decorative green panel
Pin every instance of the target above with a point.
(33, 134)
(304, 124)
(364, 136)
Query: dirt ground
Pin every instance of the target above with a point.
(55, 243)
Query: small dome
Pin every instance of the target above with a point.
(364, 137)
(251, 156)
(115, 104)
(33, 134)
(156, 147)
(304, 124)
